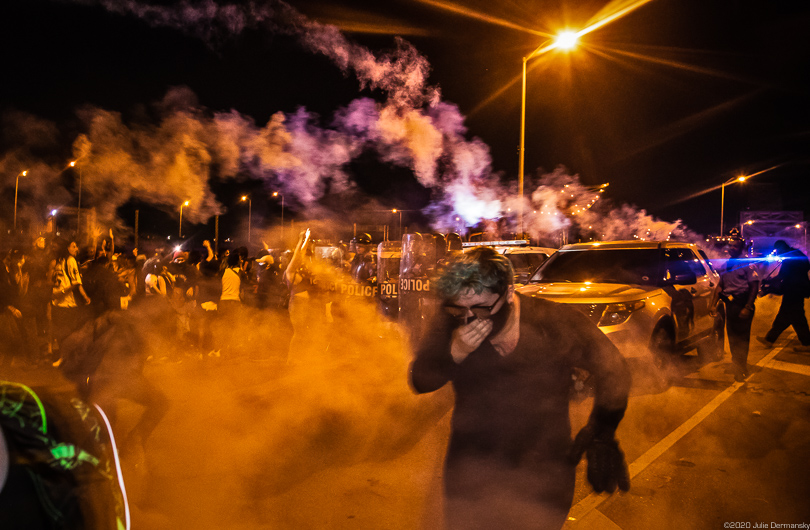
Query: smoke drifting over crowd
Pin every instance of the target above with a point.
(174, 155)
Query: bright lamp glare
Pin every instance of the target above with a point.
(741, 179)
(53, 212)
(567, 40)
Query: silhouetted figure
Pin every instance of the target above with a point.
(793, 284)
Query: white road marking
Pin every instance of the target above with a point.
(789, 367)
(587, 505)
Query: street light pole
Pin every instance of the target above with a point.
(180, 230)
(522, 147)
(79, 205)
(723, 198)
(277, 194)
(566, 40)
(250, 207)
(16, 186)
(400, 221)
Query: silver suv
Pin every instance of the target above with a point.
(644, 295)
(525, 259)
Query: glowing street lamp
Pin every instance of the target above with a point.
(400, 221)
(16, 187)
(79, 205)
(277, 194)
(180, 231)
(723, 198)
(250, 207)
(567, 40)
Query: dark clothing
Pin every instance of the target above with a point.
(506, 463)
(791, 313)
(738, 330)
(793, 275)
(737, 282)
(101, 285)
(793, 284)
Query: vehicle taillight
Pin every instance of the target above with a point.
(616, 314)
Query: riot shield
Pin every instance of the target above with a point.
(388, 263)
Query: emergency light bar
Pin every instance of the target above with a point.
(512, 243)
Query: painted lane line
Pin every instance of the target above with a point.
(789, 367)
(593, 500)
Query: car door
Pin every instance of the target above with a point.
(690, 303)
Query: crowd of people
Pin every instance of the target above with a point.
(50, 289)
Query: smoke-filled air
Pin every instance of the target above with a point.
(177, 151)
(281, 419)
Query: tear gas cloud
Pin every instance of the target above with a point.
(262, 437)
(175, 156)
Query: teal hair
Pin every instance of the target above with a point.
(480, 269)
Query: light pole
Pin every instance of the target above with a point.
(400, 221)
(79, 205)
(16, 187)
(180, 231)
(277, 194)
(799, 227)
(250, 207)
(566, 40)
(742, 228)
(723, 198)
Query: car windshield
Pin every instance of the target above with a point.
(626, 266)
(526, 261)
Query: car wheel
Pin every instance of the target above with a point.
(662, 346)
(711, 349)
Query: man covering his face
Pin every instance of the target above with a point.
(511, 461)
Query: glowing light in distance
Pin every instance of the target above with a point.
(72, 164)
(53, 212)
(567, 40)
(185, 203)
(177, 248)
(243, 199)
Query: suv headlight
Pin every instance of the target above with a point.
(615, 314)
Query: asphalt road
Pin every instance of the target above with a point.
(340, 441)
(707, 452)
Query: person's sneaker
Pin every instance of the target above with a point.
(802, 349)
(766, 342)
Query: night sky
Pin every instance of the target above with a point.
(672, 99)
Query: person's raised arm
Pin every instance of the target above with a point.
(210, 252)
(296, 260)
